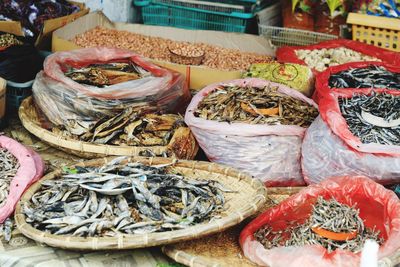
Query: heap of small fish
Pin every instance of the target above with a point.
(129, 128)
(329, 215)
(373, 118)
(107, 74)
(369, 77)
(116, 198)
(9, 166)
(229, 103)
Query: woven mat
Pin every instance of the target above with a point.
(21, 251)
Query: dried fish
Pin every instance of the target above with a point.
(373, 118)
(372, 76)
(101, 75)
(320, 59)
(120, 198)
(8, 169)
(255, 106)
(331, 216)
(129, 128)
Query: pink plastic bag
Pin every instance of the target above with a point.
(330, 149)
(31, 169)
(378, 206)
(269, 153)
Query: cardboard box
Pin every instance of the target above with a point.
(43, 41)
(197, 76)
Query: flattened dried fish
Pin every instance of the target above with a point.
(256, 106)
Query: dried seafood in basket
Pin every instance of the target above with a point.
(332, 225)
(130, 128)
(254, 125)
(373, 76)
(325, 224)
(357, 134)
(116, 198)
(255, 105)
(373, 118)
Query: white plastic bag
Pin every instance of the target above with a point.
(270, 153)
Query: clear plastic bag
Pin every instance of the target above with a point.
(65, 101)
(330, 149)
(378, 207)
(270, 153)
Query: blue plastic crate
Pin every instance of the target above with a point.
(195, 15)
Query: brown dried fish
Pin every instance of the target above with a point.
(255, 106)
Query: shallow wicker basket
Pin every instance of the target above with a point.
(183, 145)
(248, 200)
(223, 249)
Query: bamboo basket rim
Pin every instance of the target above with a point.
(198, 260)
(80, 147)
(256, 198)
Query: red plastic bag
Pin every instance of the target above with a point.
(330, 149)
(378, 207)
(322, 79)
(270, 153)
(31, 169)
(288, 54)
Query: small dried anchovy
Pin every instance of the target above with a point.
(369, 77)
(8, 168)
(384, 106)
(329, 215)
(231, 103)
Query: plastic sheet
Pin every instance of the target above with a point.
(287, 54)
(65, 101)
(378, 207)
(31, 169)
(322, 79)
(330, 149)
(270, 153)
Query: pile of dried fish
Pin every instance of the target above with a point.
(321, 59)
(332, 225)
(7, 40)
(101, 75)
(369, 77)
(256, 106)
(130, 198)
(8, 167)
(129, 128)
(373, 118)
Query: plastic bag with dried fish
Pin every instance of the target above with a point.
(270, 153)
(65, 101)
(330, 148)
(377, 207)
(31, 168)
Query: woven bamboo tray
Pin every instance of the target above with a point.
(249, 199)
(182, 144)
(223, 249)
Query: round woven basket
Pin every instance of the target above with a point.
(223, 249)
(250, 197)
(182, 144)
